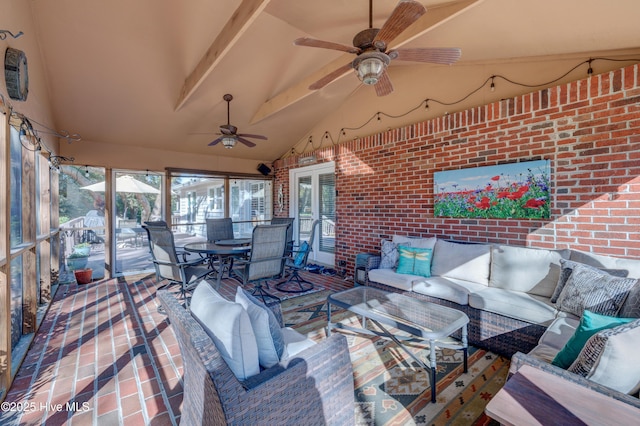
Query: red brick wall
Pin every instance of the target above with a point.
(588, 129)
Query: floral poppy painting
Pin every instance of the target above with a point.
(515, 190)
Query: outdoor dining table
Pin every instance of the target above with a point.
(235, 242)
(224, 255)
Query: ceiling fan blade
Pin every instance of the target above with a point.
(215, 142)
(330, 77)
(406, 13)
(383, 86)
(246, 135)
(246, 142)
(311, 42)
(434, 55)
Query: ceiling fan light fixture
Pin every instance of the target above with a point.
(369, 66)
(229, 142)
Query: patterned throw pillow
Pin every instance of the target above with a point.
(609, 358)
(631, 306)
(414, 261)
(389, 255)
(567, 268)
(589, 288)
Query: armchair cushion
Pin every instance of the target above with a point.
(266, 328)
(609, 358)
(590, 324)
(229, 327)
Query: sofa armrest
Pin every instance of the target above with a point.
(364, 263)
(519, 359)
(319, 376)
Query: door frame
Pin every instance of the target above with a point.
(314, 171)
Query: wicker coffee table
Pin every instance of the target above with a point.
(417, 319)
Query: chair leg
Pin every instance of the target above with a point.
(259, 291)
(295, 276)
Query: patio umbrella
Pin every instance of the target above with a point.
(125, 183)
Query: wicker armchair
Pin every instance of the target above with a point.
(314, 388)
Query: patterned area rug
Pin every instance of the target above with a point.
(390, 388)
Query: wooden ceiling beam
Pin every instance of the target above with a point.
(236, 26)
(433, 18)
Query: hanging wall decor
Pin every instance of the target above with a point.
(515, 190)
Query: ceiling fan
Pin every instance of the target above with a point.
(370, 46)
(228, 133)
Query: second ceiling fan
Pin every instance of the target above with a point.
(371, 46)
(229, 134)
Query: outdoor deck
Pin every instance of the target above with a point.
(104, 355)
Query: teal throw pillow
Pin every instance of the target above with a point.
(590, 324)
(414, 261)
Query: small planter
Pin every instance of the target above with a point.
(75, 262)
(83, 276)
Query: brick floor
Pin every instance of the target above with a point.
(104, 355)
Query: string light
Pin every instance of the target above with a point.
(490, 80)
(86, 171)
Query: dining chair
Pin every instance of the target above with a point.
(297, 262)
(287, 221)
(167, 264)
(219, 229)
(266, 259)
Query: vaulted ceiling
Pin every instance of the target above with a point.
(152, 73)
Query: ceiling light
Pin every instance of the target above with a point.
(229, 142)
(370, 65)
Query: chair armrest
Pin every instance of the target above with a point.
(320, 376)
(519, 359)
(364, 263)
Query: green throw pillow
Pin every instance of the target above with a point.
(414, 261)
(590, 324)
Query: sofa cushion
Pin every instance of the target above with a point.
(450, 289)
(588, 288)
(265, 327)
(590, 324)
(526, 269)
(559, 332)
(469, 262)
(229, 326)
(514, 304)
(610, 358)
(413, 260)
(630, 266)
(566, 268)
(391, 278)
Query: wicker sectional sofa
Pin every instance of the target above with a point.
(505, 290)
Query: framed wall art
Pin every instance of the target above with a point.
(514, 190)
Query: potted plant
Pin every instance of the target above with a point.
(82, 249)
(83, 276)
(77, 260)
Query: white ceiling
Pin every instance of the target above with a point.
(115, 69)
